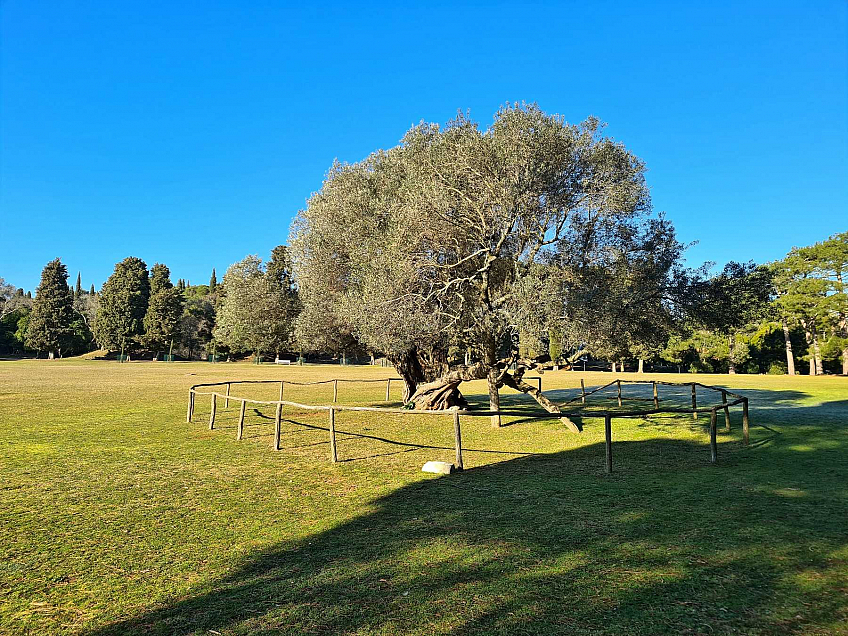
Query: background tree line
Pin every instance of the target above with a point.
(140, 311)
(468, 253)
(788, 316)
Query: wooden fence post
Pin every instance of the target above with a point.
(656, 396)
(227, 398)
(282, 383)
(388, 388)
(333, 455)
(619, 392)
(457, 440)
(241, 420)
(608, 437)
(540, 383)
(335, 391)
(726, 411)
(694, 403)
(713, 446)
(582, 391)
(745, 422)
(212, 413)
(190, 405)
(277, 422)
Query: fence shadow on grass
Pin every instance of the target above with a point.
(548, 544)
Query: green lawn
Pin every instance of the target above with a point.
(116, 516)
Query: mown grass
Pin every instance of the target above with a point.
(116, 516)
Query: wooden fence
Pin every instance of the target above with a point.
(456, 414)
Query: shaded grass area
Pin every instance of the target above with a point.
(118, 517)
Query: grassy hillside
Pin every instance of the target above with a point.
(116, 516)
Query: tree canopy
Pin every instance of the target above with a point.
(464, 237)
(258, 305)
(50, 323)
(164, 311)
(124, 298)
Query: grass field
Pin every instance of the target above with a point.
(117, 516)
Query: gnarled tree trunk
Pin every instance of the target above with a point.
(416, 368)
(520, 385)
(443, 393)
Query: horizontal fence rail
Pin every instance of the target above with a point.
(456, 413)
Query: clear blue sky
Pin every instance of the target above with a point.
(190, 133)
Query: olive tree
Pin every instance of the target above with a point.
(462, 238)
(256, 313)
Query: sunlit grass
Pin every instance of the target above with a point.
(117, 516)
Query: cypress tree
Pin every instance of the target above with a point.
(160, 278)
(78, 290)
(213, 282)
(29, 295)
(162, 321)
(124, 298)
(52, 311)
(91, 291)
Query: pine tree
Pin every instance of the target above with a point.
(52, 311)
(124, 298)
(213, 282)
(78, 289)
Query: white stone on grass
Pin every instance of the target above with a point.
(442, 468)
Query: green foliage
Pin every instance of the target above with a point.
(160, 278)
(164, 312)
(736, 297)
(465, 237)
(13, 330)
(22, 327)
(80, 338)
(256, 313)
(213, 282)
(49, 326)
(529, 345)
(778, 367)
(555, 344)
(196, 291)
(196, 324)
(123, 304)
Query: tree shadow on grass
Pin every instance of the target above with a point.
(549, 544)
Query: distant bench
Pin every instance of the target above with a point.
(278, 361)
